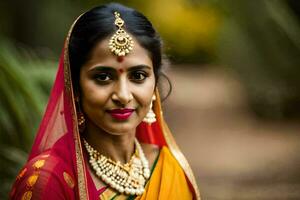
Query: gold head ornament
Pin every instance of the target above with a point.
(120, 43)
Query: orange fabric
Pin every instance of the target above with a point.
(167, 180)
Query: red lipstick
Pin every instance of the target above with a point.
(121, 114)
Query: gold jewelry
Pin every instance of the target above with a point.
(81, 118)
(129, 178)
(150, 116)
(120, 43)
(81, 122)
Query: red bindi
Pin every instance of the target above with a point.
(121, 70)
(120, 58)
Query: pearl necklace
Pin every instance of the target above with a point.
(128, 178)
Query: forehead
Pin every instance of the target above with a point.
(101, 55)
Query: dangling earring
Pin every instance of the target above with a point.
(150, 117)
(81, 121)
(80, 117)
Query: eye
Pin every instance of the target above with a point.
(138, 76)
(103, 77)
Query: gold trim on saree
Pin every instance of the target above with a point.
(81, 175)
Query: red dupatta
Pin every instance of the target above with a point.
(60, 120)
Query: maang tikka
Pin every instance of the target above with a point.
(120, 43)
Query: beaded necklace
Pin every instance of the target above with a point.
(128, 178)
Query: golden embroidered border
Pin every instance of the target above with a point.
(82, 184)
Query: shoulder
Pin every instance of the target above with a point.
(44, 174)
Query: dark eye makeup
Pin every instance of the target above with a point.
(138, 76)
(105, 75)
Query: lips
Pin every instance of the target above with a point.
(121, 114)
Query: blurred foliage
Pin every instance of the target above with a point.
(25, 82)
(261, 42)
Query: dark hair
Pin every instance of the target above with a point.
(98, 23)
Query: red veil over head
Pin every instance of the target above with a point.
(60, 120)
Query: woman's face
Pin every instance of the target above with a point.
(116, 92)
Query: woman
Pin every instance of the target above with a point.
(103, 135)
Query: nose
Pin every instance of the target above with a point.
(122, 94)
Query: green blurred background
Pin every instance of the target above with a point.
(236, 87)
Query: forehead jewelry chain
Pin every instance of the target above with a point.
(129, 178)
(120, 43)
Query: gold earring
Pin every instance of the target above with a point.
(81, 119)
(150, 116)
(81, 122)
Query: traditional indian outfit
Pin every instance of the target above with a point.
(57, 165)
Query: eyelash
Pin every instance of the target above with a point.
(99, 77)
(136, 76)
(138, 79)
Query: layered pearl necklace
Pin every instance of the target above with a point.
(129, 178)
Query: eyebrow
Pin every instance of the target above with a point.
(102, 68)
(107, 68)
(137, 67)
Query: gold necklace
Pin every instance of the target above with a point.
(129, 178)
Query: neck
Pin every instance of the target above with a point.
(117, 146)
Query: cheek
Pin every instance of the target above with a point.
(93, 96)
(145, 94)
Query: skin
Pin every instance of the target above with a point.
(105, 84)
(120, 58)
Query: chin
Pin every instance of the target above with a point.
(120, 128)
